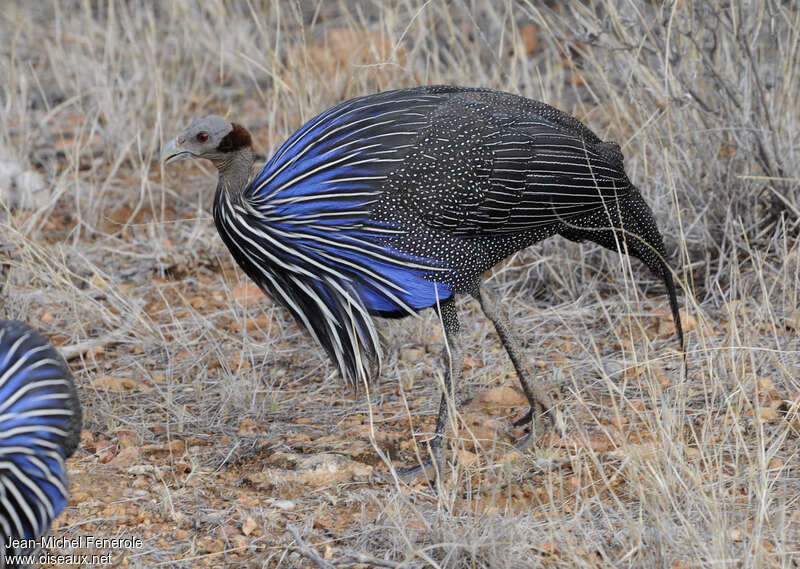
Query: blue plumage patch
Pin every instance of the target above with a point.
(39, 419)
(314, 198)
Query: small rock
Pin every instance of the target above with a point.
(483, 428)
(466, 458)
(792, 320)
(666, 324)
(411, 356)
(79, 497)
(116, 384)
(126, 458)
(768, 413)
(127, 438)
(498, 397)
(21, 188)
(249, 525)
(175, 447)
(211, 544)
(595, 438)
(141, 469)
(285, 505)
(327, 462)
(529, 34)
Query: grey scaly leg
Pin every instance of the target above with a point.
(453, 358)
(540, 401)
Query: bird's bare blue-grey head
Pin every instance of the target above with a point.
(211, 137)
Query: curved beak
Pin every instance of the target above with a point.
(173, 153)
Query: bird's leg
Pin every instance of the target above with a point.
(453, 357)
(540, 401)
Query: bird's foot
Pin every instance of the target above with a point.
(540, 422)
(524, 420)
(426, 469)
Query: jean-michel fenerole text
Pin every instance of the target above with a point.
(62, 543)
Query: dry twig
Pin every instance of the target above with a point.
(306, 551)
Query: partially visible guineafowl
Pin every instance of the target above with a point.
(40, 423)
(395, 202)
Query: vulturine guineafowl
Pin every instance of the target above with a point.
(40, 424)
(395, 202)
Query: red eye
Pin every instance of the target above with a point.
(202, 136)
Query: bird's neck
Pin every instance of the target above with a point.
(234, 171)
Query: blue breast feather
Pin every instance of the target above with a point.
(314, 198)
(35, 418)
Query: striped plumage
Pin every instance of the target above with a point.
(40, 422)
(394, 202)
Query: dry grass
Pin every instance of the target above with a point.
(206, 411)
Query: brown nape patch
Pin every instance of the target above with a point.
(236, 139)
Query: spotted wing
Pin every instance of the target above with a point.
(514, 165)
